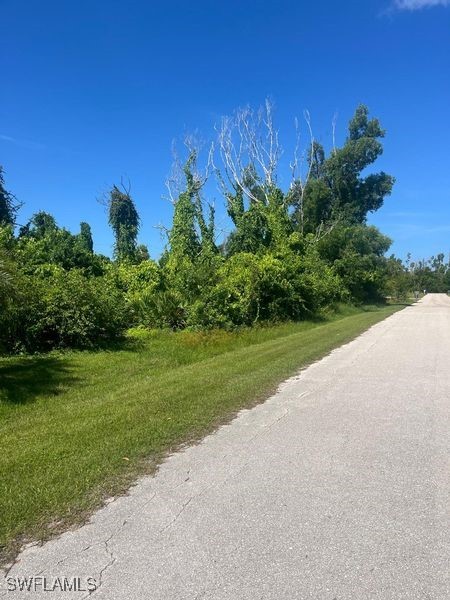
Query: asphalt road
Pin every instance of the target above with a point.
(336, 488)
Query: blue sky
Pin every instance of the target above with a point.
(95, 90)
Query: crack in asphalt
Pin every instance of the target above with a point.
(109, 564)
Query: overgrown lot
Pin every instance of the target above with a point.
(79, 426)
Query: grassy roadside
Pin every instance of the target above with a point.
(77, 427)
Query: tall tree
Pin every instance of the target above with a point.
(337, 190)
(124, 220)
(191, 231)
(85, 237)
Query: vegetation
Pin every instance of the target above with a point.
(292, 252)
(432, 275)
(76, 427)
(8, 203)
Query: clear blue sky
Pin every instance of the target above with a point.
(92, 90)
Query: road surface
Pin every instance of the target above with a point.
(336, 488)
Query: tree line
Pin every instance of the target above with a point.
(292, 253)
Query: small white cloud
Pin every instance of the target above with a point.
(419, 4)
(22, 143)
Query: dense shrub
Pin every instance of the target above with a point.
(356, 253)
(57, 308)
(252, 288)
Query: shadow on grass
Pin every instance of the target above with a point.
(399, 303)
(22, 381)
(122, 344)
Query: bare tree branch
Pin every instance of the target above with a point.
(299, 181)
(333, 126)
(248, 143)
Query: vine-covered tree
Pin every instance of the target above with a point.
(85, 237)
(41, 241)
(191, 233)
(124, 221)
(40, 225)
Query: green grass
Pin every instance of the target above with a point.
(79, 426)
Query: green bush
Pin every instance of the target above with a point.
(57, 308)
(251, 288)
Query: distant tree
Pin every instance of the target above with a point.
(124, 220)
(8, 203)
(432, 274)
(85, 237)
(399, 284)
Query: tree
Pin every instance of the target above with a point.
(124, 220)
(8, 203)
(192, 233)
(85, 237)
(356, 253)
(40, 225)
(41, 241)
(399, 283)
(183, 238)
(337, 191)
(250, 152)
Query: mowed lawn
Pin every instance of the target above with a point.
(80, 426)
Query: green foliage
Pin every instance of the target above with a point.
(42, 242)
(432, 275)
(41, 225)
(124, 220)
(59, 309)
(290, 255)
(255, 288)
(191, 234)
(6, 280)
(142, 253)
(405, 279)
(8, 203)
(252, 233)
(85, 238)
(184, 239)
(137, 283)
(337, 190)
(398, 283)
(356, 253)
(264, 224)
